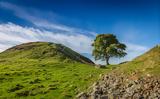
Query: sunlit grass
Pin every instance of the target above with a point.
(29, 78)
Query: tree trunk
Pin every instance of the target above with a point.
(107, 60)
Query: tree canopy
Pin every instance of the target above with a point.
(107, 46)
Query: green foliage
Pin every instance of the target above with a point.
(107, 46)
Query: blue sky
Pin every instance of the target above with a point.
(75, 23)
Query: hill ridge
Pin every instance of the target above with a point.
(42, 50)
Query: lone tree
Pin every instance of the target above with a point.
(107, 46)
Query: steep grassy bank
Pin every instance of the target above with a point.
(146, 64)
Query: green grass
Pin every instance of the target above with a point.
(44, 50)
(42, 70)
(44, 78)
(148, 63)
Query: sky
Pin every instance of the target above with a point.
(75, 23)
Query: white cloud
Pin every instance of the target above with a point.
(34, 16)
(19, 34)
(3, 47)
(78, 39)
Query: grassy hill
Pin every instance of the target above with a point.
(41, 70)
(44, 50)
(148, 63)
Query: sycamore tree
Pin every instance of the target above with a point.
(106, 46)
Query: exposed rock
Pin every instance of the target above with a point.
(118, 86)
(104, 97)
(82, 95)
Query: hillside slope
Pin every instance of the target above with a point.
(41, 70)
(148, 63)
(44, 50)
(138, 79)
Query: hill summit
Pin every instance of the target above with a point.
(44, 50)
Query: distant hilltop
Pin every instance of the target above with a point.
(43, 50)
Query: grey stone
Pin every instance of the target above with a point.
(121, 87)
(104, 97)
(82, 95)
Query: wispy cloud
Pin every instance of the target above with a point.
(18, 34)
(46, 30)
(36, 17)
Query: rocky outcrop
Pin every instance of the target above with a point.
(119, 86)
